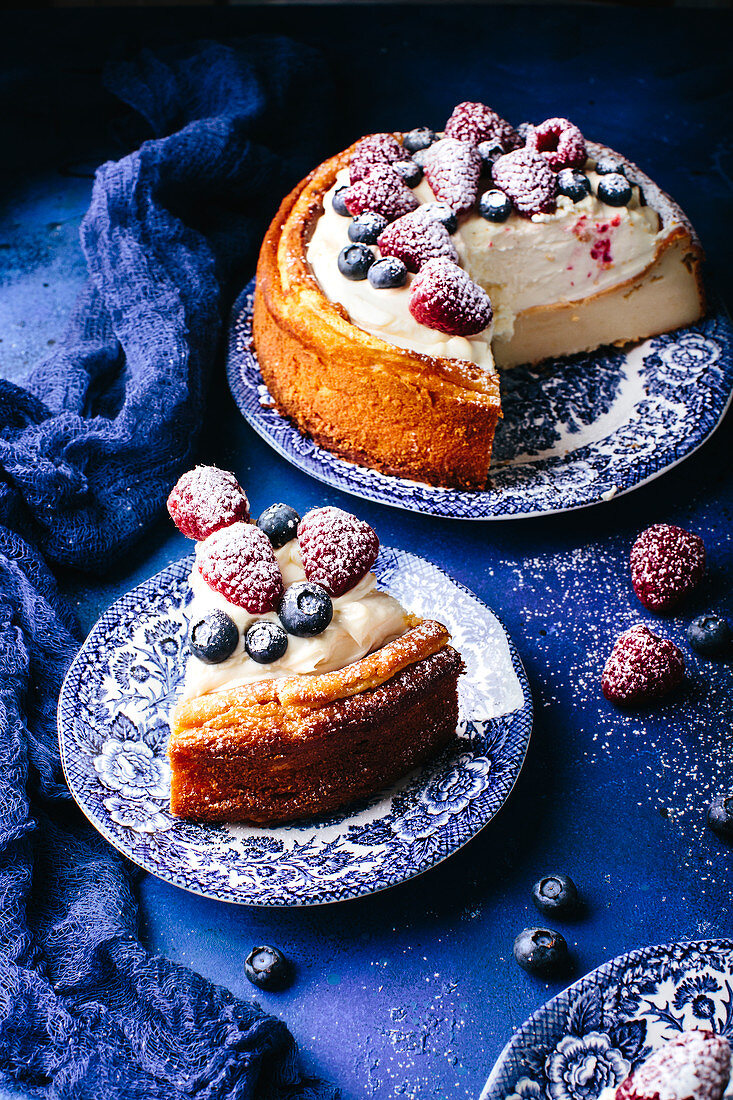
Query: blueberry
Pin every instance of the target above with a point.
(441, 212)
(495, 206)
(409, 171)
(280, 524)
(213, 637)
(420, 138)
(523, 129)
(720, 816)
(709, 634)
(267, 968)
(355, 260)
(614, 190)
(265, 641)
(606, 166)
(387, 273)
(489, 151)
(572, 183)
(337, 201)
(305, 609)
(555, 894)
(366, 227)
(541, 951)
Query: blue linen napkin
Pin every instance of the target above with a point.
(88, 451)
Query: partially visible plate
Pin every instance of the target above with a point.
(595, 1033)
(113, 729)
(576, 431)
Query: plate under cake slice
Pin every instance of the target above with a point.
(397, 277)
(306, 686)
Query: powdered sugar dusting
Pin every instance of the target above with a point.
(667, 562)
(475, 122)
(382, 191)
(694, 1066)
(642, 667)
(560, 142)
(205, 499)
(375, 149)
(452, 169)
(444, 297)
(414, 239)
(526, 177)
(239, 563)
(337, 548)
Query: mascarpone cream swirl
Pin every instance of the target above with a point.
(364, 619)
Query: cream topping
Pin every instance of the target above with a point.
(582, 248)
(364, 619)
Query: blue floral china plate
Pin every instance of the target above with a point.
(576, 431)
(592, 1035)
(113, 730)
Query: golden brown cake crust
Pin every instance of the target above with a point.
(282, 749)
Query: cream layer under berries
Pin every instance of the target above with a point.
(281, 597)
(436, 244)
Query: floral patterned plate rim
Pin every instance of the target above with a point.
(576, 431)
(113, 729)
(593, 1034)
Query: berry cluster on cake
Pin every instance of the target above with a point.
(694, 1066)
(401, 272)
(306, 686)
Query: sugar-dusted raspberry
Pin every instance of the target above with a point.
(526, 177)
(337, 548)
(666, 563)
(475, 122)
(375, 149)
(239, 563)
(452, 169)
(414, 239)
(381, 191)
(443, 297)
(641, 667)
(560, 142)
(205, 499)
(700, 1058)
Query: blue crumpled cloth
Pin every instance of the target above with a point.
(88, 451)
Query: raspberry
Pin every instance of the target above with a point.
(205, 499)
(381, 191)
(414, 239)
(701, 1053)
(337, 548)
(239, 563)
(443, 297)
(666, 563)
(641, 667)
(452, 169)
(475, 122)
(560, 142)
(375, 149)
(526, 177)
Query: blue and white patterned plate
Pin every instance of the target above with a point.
(576, 431)
(113, 729)
(595, 1033)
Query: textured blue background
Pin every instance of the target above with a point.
(413, 992)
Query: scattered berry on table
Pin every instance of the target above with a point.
(666, 562)
(614, 190)
(452, 169)
(383, 191)
(280, 524)
(337, 201)
(239, 563)
(365, 228)
(641, 667)
(556, 894)
(419, 138)
(709, 635)
(475, 122)
(387, 273)
(305, 609)
(720, 816)
(488, 151)
(572, 183)
(354, 261)
(205, 499)
(265, 641)
(560, 142)
(606, 166)
(443, 297)
(337, 548)
(415, 239)
(695, 1055)
(213, 637)
(528, 180)
(438, 211)
(541, 951)
(373, 150)
(409, 171)
(495, 206)
(268, 969)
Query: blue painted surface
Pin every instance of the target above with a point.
(413, 992)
